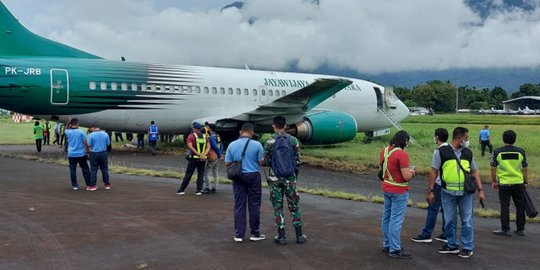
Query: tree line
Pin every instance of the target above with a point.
(441, 96)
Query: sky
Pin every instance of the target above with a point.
(368, 36)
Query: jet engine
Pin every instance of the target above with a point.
(324, 128)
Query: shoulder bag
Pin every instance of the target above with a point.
(234, 170)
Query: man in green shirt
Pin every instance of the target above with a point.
(38, 135)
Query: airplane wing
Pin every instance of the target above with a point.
(301, 100)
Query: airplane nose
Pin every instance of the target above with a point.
(402, 111)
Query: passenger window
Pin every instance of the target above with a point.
(283, 93)
(124, 86)
(214, 90)
(277, 93)
(134, 87)
(230, 91)
(167, 88)
(176, 88)
(197, 89)
(255, 92)
(158, 88)
(143, 87)
(246, 92)
(206, 90)
(152, 87)
(222, 90)
(271, 93)
(238, 91)
(114, 86)
(263, 92)
(103, 86)
(92, 85)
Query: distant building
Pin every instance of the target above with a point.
(531, 102)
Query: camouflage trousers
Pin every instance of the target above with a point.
(285, 187)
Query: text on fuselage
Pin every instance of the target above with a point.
(22, 71)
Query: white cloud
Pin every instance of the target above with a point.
(369, 36)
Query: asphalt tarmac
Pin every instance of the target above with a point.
(142, 224)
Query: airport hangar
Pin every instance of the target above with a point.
(533, 102)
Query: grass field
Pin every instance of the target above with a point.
(358, 157)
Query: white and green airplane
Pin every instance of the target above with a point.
(50, 80)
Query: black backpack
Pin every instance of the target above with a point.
(283, 157)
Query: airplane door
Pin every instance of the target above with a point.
(263, 94)
(59, 87)
(379, 97)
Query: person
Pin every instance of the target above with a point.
(140, 140)
(509, 175)
(118, 136)
(485, 140)
(38, 135)
(153, 136)
(129, 137)
(433, 196)
(397, 173)
(57, 133)
(77, 150)
(247, 190)
(46, 133)
(453, 196)
(198, 149)
(214, 158)
(98, 141)
(62, 134)
(283, 186)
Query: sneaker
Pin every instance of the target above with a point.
(446, 249)
(280, 240)
(399, 254)
(213, 190)
(206, 191)
(465, 253)
(501, 232)
(238, 239)
(107, 187)
(421, 239)
(88, 188)
(257, 238)
(441, 238)
(180, 192)
(75, 188)
(198, 193)
(519, 232)
(385, 249)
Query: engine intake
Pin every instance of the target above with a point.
(325, 128)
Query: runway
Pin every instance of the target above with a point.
(142, 224)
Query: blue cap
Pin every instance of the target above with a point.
(197, 125)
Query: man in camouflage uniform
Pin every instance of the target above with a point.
(280, 187)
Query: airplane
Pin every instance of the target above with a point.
(526, 111)
(50, 80)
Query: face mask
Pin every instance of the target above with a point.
(465, 144)
(435, 140)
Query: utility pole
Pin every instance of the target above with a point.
(457, 99)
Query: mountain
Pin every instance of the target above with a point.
(508, 78)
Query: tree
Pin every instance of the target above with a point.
(527, 89)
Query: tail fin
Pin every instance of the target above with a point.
(18, 42)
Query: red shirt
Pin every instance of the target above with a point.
(399, 159)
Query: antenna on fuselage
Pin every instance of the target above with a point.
(123, 58)
(246, 66)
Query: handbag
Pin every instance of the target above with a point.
(470, 182)
(234, 170)
(529, 207)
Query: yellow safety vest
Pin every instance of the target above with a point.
(390, 179)
(200, 144)
(509, 169)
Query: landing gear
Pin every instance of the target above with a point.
(369, 137)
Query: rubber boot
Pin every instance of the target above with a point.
(300, 238)
(280, 238)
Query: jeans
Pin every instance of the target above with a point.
(432, 212)
(38, 144)
(395, 206)
(517, 193)
(152, 145)
(247, 192)
(99, 160)
(211, 166)
(451, 205)
(192, 165)
(483, 145)
(82, 161)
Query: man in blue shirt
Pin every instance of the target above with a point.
(247, 190)
(153, 135)
(484, 140)
(76, 152)
(98, 141)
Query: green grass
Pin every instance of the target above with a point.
(358, 157)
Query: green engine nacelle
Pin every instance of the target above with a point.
(325, 128)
